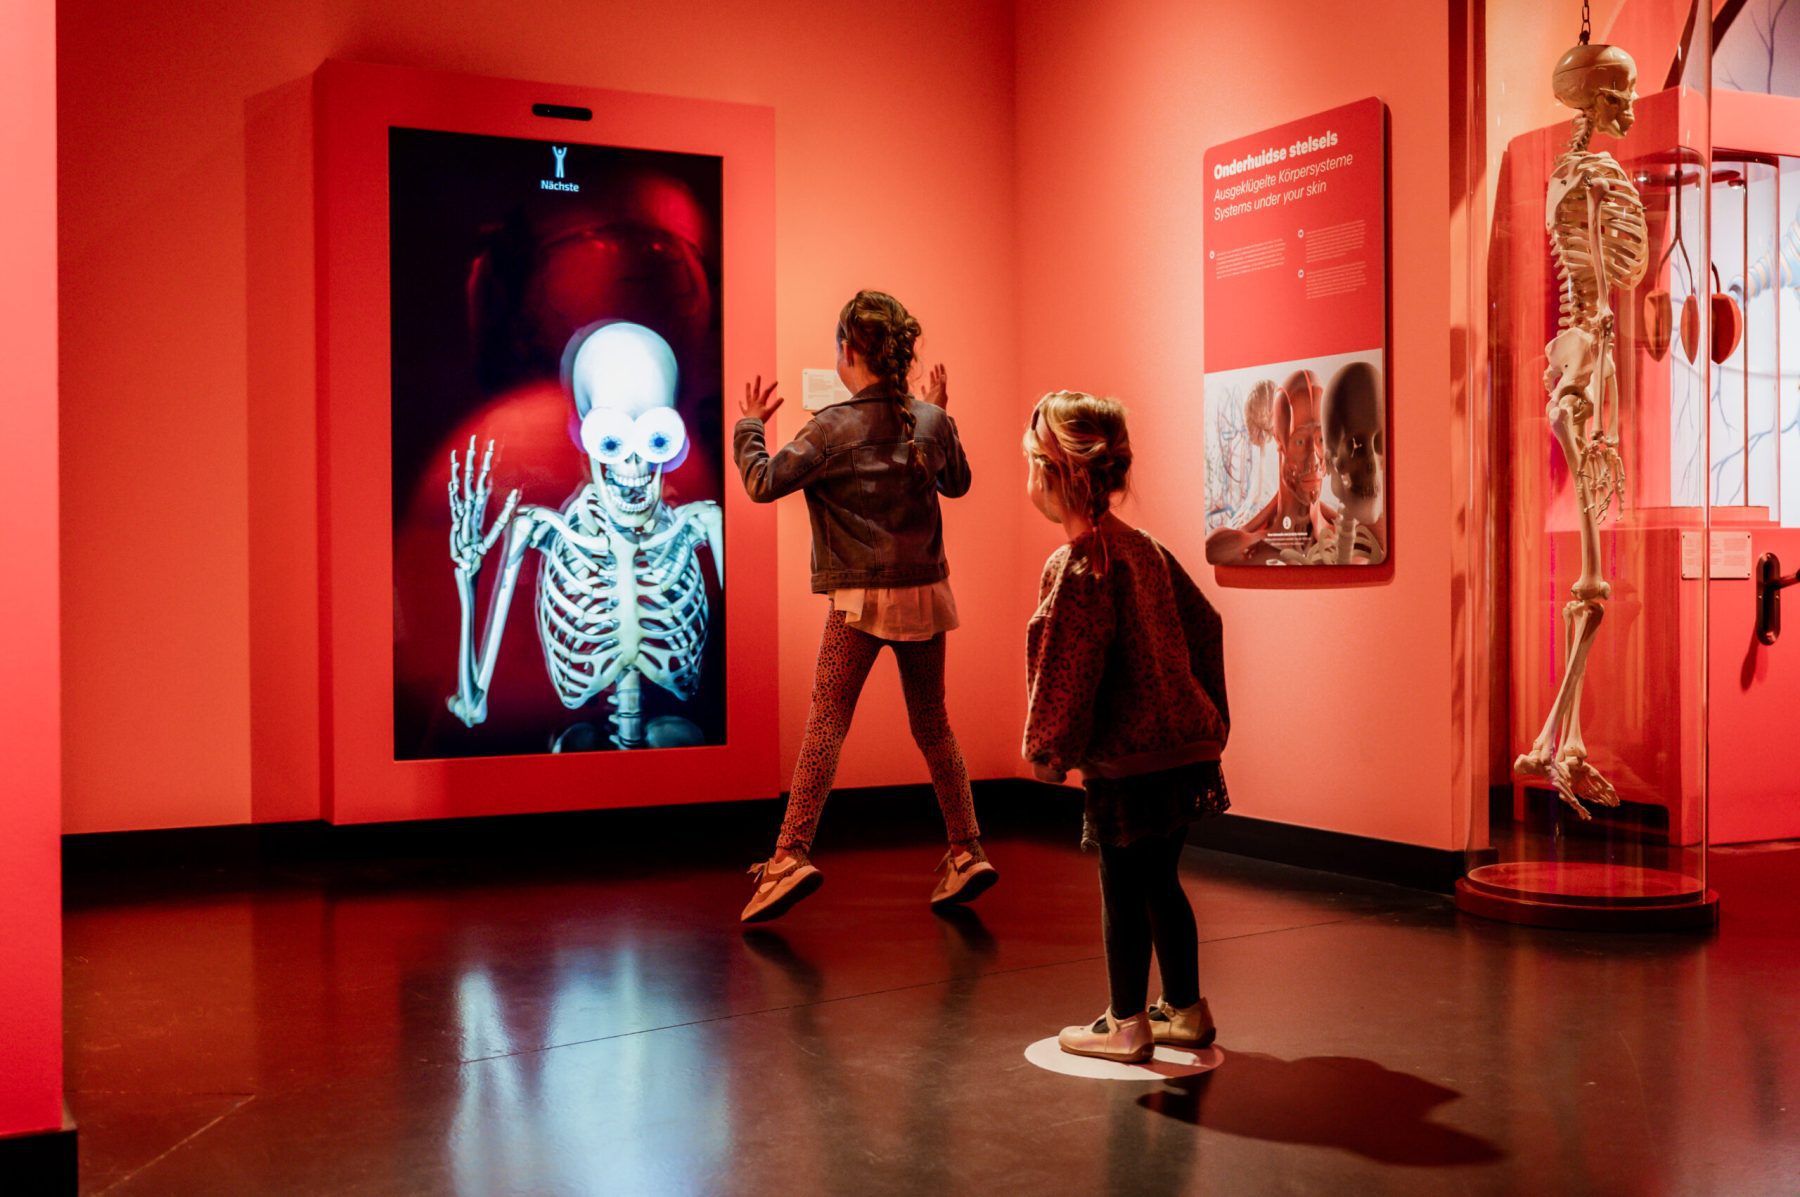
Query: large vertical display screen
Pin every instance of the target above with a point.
(557, 447)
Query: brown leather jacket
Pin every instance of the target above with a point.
(875, 518)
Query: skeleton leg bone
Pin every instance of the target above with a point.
(1575, 779)
(1559, 754)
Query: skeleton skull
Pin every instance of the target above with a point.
(622, 377)
(1600, 82)
(1354, 435)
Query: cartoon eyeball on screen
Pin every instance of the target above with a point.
(658, 436)
(607, 435)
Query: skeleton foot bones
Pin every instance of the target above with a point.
(1559, 755)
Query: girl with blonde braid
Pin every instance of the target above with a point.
(872, 469)
(1127, 684)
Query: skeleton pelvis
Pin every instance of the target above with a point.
(1571, 359)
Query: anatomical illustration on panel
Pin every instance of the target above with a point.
(1296, 463)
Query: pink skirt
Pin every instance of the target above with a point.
(899, 612)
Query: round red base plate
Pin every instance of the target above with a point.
(1586, 895)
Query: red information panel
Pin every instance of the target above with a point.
(543, 588)
(1296, 403)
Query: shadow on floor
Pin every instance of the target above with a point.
(1325, 1101)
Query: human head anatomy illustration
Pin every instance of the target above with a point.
(1297, 435)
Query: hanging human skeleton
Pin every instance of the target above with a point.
(620, 596)
(1600, 240)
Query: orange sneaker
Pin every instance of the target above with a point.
(779, 886)
(966, 876)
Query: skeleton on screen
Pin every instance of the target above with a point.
(621, 597)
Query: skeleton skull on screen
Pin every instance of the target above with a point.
(620, 595)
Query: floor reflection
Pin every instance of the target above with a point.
(502, 1028)
(524, 1110)
(886, 1126)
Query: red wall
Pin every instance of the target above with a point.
(30, 849)
(1027, 175)
(187, 339)
(1753, 689)
(1340, 698)
(1752, 694)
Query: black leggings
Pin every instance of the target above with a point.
(1142, 902)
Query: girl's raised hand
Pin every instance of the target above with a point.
(759, 402)
(937, 387)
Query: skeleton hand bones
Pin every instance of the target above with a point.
(469, 494)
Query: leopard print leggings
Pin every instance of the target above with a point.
(845, 657)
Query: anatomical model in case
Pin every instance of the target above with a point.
(1599, 238)
(620, 595)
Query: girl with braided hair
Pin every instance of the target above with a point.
(1126, 677)
(872, 470)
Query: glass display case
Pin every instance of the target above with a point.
(1592, 402)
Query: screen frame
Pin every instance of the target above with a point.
(354, 107)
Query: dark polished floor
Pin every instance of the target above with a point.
(575, 1010)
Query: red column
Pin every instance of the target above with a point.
(30, 668)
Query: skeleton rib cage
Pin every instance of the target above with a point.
(608, 604)
(1624, 236)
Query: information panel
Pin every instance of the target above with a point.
(1296, 398)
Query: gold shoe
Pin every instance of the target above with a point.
(1129, 1042)
(966, 876)
(778, 887)
(1192, 1027)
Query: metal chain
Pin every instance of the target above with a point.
(1587, 23)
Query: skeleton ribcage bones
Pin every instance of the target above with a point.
(608, 603)
(1624, 237)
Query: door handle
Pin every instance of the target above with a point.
(1769, 585)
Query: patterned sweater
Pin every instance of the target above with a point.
(1126, 671)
